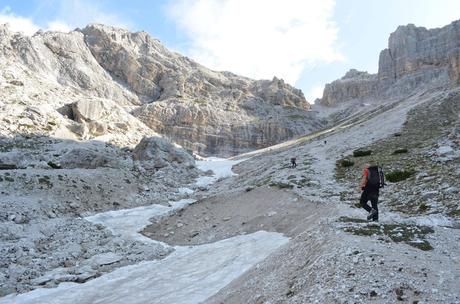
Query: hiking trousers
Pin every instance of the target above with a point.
(373, 196)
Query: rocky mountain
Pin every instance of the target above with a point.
(416, 58)
(109, 68)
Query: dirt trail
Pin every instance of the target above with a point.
(227, 215)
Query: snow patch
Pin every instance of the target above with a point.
(221, 167)
(128, 222)
(188, 275)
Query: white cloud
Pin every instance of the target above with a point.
(58, 26)
(259, 38)
(18, 23)
(79, 13)
(70, 14)
(314, 92)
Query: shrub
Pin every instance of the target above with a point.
(359, 153)
(400, 151)
(53, 165)
(281, 185)
(346, 163)
(398, 175)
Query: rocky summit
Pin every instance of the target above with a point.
(103, 77)
(416, 58)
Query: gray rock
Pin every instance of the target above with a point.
(88, 159)
(157, 152)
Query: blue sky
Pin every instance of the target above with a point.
(307, 43)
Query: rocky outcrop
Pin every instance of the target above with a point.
(157, 152)
(211, 112)
(354, 85)
(88, 159)
(416, 57)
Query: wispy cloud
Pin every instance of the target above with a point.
(259, 38)
(18, 23)
(77, 13)
(69, 15)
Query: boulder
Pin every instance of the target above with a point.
(87, 159)
(157, 152)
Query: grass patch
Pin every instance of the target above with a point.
(423, 207)
(296, 117)
(346, 219)
(54, 165)
(9, 179)
(398, 175)
(361, 152)
(45, 180)
(346, 163)
(400, 151)
(424, 245)
(454, 213)
(410, 234)
(281, 185)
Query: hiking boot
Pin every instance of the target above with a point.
(371, 215)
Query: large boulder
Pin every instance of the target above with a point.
(87, 159)
(156, 152)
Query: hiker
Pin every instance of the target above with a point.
(325, 142)
(372, 180)
(293, 162)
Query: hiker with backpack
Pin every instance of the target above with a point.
(372, 180)
(293, 162)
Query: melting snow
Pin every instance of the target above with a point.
(221, 168)
(128, 222)
(188, 275)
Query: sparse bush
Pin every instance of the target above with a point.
(398, 175)
(400, 151)
(346, 163)
(281, 185)
(360, 153)
(53, 165)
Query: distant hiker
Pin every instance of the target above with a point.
(325, 142)
(293, 162)
(371, 181)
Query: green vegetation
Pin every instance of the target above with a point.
(399, 175)
(423, 207)
(410, 234)
(346, 219)
(296, 117)
(45, 180)
(360, 153)
(54, 165)
(281, 185)
(346, 163)
(454, 213)
(400, 151)
(200, 101)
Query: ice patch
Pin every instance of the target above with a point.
(185, 191)
(128, 222)
(188, 275)
(221, 168)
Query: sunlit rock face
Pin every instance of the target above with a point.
(208, 111)
(416, 58)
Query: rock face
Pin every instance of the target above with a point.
(100, 75)
(416, 57)
(354, 85)
(156, 153)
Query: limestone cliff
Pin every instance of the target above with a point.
(211, 112)
(416, 57)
